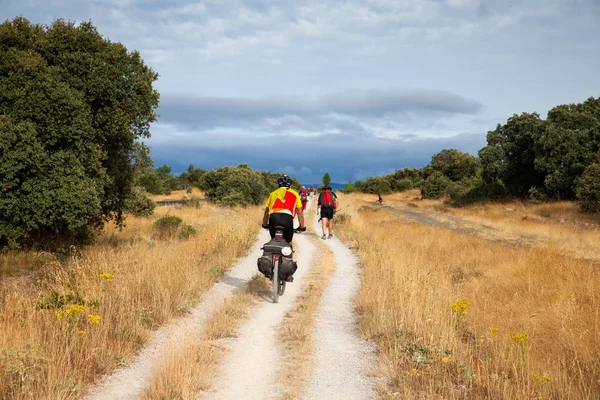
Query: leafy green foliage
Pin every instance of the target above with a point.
(167, 224)
(403, 185)
(453, 164)
(191, 177)
(588, 189)
(72, 106)
(187, 231)
(570, 143)
(525, 157)
(349, 188)
(240, 185)
(139, 203)
(374, 185)
(326, 179)
(509, 156)
(435, 185)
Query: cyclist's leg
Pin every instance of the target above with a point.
(281, 219)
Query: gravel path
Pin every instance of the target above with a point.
(342, 358)
(249, 370)
(130, 382)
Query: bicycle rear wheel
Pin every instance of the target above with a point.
(276, 281)
(281, 287)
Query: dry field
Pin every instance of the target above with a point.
(559, 224)
(457, 316)
(180, 195)
(66, 321)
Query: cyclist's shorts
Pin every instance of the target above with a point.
(285, 220)
(327, 212)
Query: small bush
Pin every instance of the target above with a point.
(139, 203)
(537, 195)
(349, 188)
(342, 218)
(187, 231)
(168, 223)
(587, 189)
(403, 184)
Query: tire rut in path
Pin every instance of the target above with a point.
(130, 382)
(342, 358)
(249, 370)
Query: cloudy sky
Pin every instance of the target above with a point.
(356, 87)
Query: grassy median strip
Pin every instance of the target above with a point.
(192, 369)
(461, 317)
(89, 312)
(296, 333)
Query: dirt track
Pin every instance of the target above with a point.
(249, 370)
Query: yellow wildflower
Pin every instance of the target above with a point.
(520, 337)
(304, 306)
(82, 332)
(494, 331)
(460, 307)
(541, 378)
(414, 370)
(445, 359)
(180, 259)
(93, 319)
(74, 310)
(106, 276)
(60, 314)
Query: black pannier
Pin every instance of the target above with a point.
(287, 266)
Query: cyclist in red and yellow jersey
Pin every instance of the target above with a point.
(282, 206)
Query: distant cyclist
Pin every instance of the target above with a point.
(327, 203)
(304, 197)
(282, 206)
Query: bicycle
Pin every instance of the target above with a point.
(277, 253)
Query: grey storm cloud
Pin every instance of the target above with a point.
(470, 63)
(197, 110)
(311, 158)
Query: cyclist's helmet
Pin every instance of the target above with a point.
(284, 181)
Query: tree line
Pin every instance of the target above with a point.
(557, 158)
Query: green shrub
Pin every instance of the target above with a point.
(537, 195)
(349, 188)
(167, 224)
(435, 186)
(187, 231)
(73, 105)
(139, 203)
(588, 189)
(403, 184)
(239, 185)
(465, 191)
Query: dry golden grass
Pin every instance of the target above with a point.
(56, 353)
(185, 373)
(558, 224)
(412, 275)
(180, 195)
(190, 370)
(296, 333)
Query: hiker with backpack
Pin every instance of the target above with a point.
(327, 204)
(304, 197)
